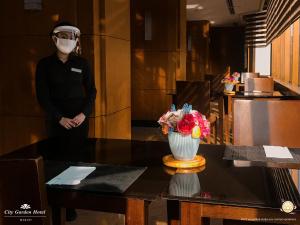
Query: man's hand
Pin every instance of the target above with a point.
(79, 119)
(67, 123)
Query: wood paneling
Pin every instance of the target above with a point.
(112, 18)
(285, 56)
(150, 104)
(276, 58)
(115, 125)
(226, 49)
(282, 57)
(295, 58)
(151, 68)
(117, 74)
(26, 22)
(164, 32)
(18, 131)
(112, 68)
(159, 61)
(197, 49)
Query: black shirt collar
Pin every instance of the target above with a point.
(71, 58)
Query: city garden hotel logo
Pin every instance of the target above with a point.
(24, 213)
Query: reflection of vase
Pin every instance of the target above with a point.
(229, 87)
(184, 185)
(183, 147)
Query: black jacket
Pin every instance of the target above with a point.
(65, 89)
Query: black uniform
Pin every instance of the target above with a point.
(65, 90)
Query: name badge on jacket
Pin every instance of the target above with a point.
(76, 70)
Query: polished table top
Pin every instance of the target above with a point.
(221, 182)
(257, 94)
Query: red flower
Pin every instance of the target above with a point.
(186, 125)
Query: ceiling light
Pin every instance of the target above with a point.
(192, 6)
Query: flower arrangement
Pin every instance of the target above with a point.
(236, 75)
(231, 79)
(185, 121)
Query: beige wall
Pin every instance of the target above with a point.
(24, 37)
(156, 63)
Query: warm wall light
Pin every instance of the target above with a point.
(212, 22)
(200, 7)
(55, 17)
(192, 6)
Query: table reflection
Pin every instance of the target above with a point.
(184, 182)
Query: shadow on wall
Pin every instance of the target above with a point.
(22, 120)
(152, 82)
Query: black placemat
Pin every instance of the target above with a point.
(257, 153)
(106, 178)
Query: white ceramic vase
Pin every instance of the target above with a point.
(229, 87)
(183, 147)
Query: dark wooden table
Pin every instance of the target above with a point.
(221, 190)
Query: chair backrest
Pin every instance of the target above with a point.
(22, 184)
(259, 84)
(216, 86)
(246, 75)
(266, 121)
(196, 93)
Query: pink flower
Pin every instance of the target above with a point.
(186, 125)
(202, 122)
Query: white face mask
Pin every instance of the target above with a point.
(65, 45)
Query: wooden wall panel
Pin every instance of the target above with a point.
(158, 61)
(112, 66)
(117, 75)
(150, 104)
(112, 18)
(226, 49)
(295, 70)
(198, 49)
(19, 131)
(164, 32)
(282, 57)
(18, 71)
(181, 74)
(114, 125)
(285, 57)
(276, 58)
(28, 22)
(287, 54)
(151, 68)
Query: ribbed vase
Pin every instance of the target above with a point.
(184, 185)
(183, 147)
(229, 87)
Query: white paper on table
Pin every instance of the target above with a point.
(72, 176)
(277, 152)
